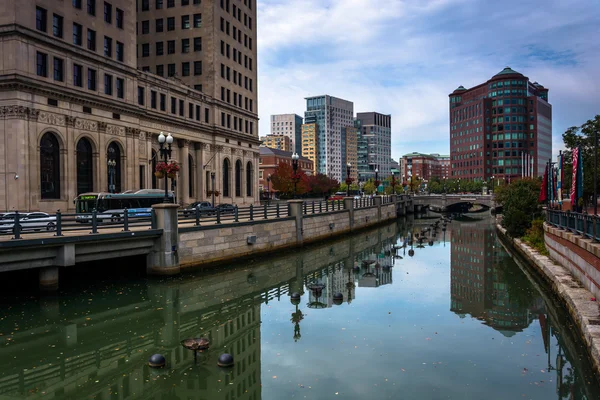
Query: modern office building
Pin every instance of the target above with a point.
(277, 142)
(72, 99)
(492, 126)
(310, 143)
(375, 145)
(331, 114)
(289, 125)
(350, 135)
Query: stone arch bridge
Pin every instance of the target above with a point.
(453, 202)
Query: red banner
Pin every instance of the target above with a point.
(575, 159)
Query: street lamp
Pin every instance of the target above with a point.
(445, 178)
(269, 189)
(348, 180)
(295, 158)
(393, 182)
(458, 180)
(165, 152)
(111, 174)
(376, 180)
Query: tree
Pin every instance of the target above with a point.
(520, 205)
(282, 180)
(320, 185)
(435, 187)
(580, 136)
(369, 187)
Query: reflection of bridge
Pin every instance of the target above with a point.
(98, 348)
(452, 202)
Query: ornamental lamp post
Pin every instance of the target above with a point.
(269, 189)
(393, 182)
(111, 173)
(212, 180)
(376, 180)
(165, 152)
(295, 158)
(348, 180)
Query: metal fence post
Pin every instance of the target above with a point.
(304, 204)
(313, 207)
(17, 226)
(277, 210)
(153, 219)
(236, 215)
(197, 214)
(320, 206)
(94, 221)
(125, 220)
(326, 205)
(265, 208)
(218, 215)
(58, 223)
(251, 212)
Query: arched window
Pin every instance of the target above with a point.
(249, 179)
(238, 178)
(191, 175)
(154, 179)
(113, 157)
(85, 177)
(226, 172)
(50, 166)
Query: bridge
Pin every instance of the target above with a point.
(453, 202)
(170, 238)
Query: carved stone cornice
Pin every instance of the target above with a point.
(45, 117)
(115, 130)
(219, 149)
(102, 126)
(133, 132)
(19, 112)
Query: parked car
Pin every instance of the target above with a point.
(226, 209)
(204, 208)
(35, 221)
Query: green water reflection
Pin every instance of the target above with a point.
(456, 320)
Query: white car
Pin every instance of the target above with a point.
(35, 221)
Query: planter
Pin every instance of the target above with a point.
(172, 176)
(159, 174)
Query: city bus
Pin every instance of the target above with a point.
(110, 206)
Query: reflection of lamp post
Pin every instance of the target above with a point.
(348, 181)
(295, 158)
(212, 180)
(269, 189)
(165, 152)
(111, 175)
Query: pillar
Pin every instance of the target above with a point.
(164, 257)
(349, 205)
(377, 200)
(295, 210)
(200, 173)
(49, 278)
(183, 181)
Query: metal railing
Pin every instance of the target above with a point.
(221, 215)
(18, 225)
(583, 224)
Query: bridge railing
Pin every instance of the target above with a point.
(230, 214)
(583, 224)
(20, 225)
(317, 207)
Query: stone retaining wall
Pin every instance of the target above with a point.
(580, 256)
(320, 226)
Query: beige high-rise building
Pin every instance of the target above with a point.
(277, 142)
(289, 125)
(351, 157)
(310, 143)
(72, 98)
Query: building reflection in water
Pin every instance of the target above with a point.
(486, 284)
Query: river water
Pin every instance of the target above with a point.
(459, 319)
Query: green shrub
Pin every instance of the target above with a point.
(520, 205)
(534, 236)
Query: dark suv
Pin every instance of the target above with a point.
(204, 208)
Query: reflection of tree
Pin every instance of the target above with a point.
(567, 384)
(296, 318)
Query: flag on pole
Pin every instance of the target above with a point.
(559, 178)
(577, 181)
(579, 175)
(544, 191)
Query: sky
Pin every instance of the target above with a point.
(403, 57)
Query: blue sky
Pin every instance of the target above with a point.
(403, 57)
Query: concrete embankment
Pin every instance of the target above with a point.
(580, 302)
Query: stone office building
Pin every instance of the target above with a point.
(72, 99)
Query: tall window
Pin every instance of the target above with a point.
(198, 44)
(91, 40)
(107, 46)
(91, 79)
(120, 88)
(58, 69)
(85, 176)
(108, 84)
(249, 179)
(77, 33)
(197, 20)
(120, 51)
(42, 64)
(40, 19)
(107, 12)
(120, 17)
(49, 167)
(238, 178)
(57, 26)
(114, 173)
(185, 22)
(91, 7)
(159, 25)
(185, 45)
(77, 75)
(190, 175)
(226, 173)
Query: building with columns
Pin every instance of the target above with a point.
(72, 98)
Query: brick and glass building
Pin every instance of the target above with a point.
(269, 161)
(289, 125)
(279, 142)
(492, 126)
(424, 166)
(72, 98)
(331, 114)
(374, 145)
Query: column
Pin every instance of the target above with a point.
(184, 178)
(296, 211)
(48, 278)
(349, 205)
(200, 172)
(163, 259)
